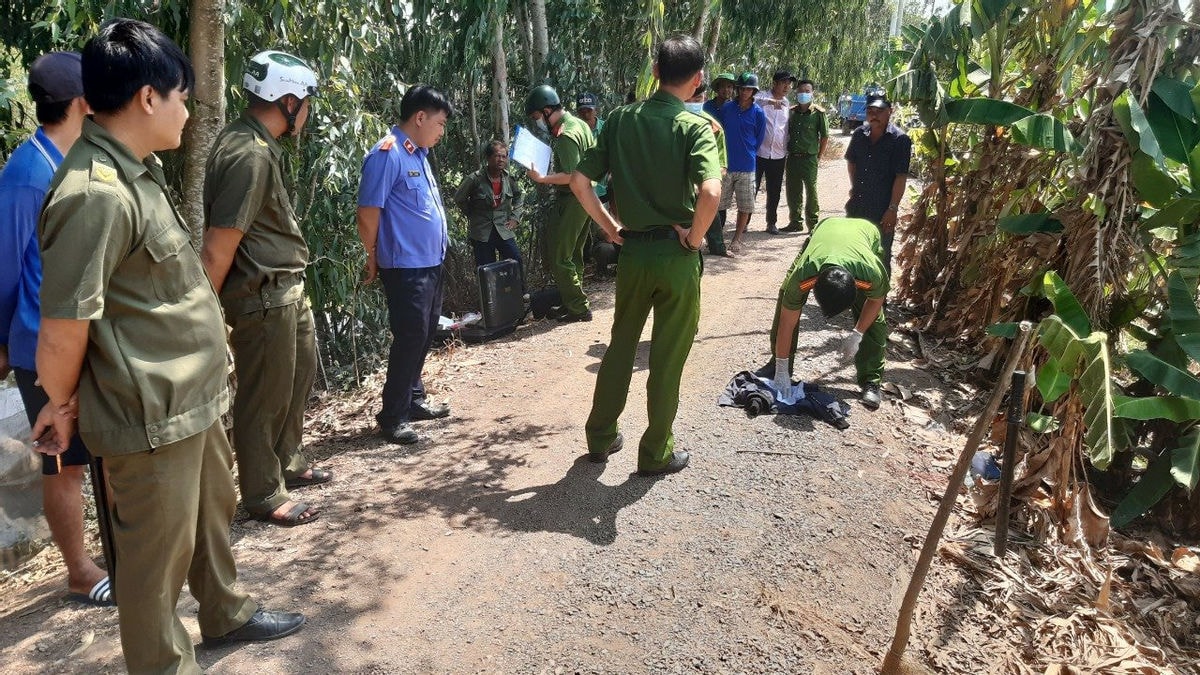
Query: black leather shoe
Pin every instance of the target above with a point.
(418, 412)
(400, 433)
(261, 627)
(613, 448)
(771, 229)
(572, 318)
(793, 228)
(679, 460)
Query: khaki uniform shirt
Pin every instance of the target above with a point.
(658, 153)
(116, 253)
(806, 129)
(483, 210)
(244, 189)
(852, 243)
(574, 138)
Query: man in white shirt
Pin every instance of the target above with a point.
(772, 152)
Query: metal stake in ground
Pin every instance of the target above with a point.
(891, 662)
(1016, 411)
(104, 519)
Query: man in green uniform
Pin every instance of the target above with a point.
(667, 179)
(255, 255)
(132, 344)
(715, 235)
(808, 133)
(566, 230)
(842, 264)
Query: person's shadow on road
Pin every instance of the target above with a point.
(578, 504)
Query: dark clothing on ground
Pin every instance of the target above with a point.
(758, 396)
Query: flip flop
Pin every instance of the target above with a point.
(318, 476)
(100, 595)
(292, 517)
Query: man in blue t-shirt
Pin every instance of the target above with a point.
(56, 87)
(745, 126)
(402, 224)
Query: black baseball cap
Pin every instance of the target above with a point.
(56, 77)
(586, 100)
(783, 75)
(878, 101)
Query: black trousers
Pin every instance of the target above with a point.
(773, 169)
(414, 301)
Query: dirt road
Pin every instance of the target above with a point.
(494, 546)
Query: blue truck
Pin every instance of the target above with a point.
(852, 109)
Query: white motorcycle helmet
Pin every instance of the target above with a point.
(272, 74)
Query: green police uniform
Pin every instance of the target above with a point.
(852, 243)
(566, 235)
(476, 199)
(657, 153)
(274, 350)
(806, 130)
(715, 236)
(151, 392)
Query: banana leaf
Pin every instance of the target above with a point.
(1030, 223)
(1176, 95)
(1046, 132)
(985, 111)
(1183, 315)
(1066, 306)
(1052, 382)
(1174, 408)
(1042, 424)
(1174, 380)
(1004, 330)
(1154, 484)
(1176, 135)
(1173, 214)
(1153, 183)
(1104, 434)
(1185, 460)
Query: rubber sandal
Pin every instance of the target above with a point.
(318, 476)
(100, 595)
(292, 517)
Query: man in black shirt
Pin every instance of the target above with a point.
(878, 159)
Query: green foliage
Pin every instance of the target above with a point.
(1029, 223)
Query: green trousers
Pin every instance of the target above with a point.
(651, 275)
(868, 362)
(275, 360)
(802, 190)
(566, 237)
(171, 510)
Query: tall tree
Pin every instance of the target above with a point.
(206, 38)
(541, 36)
(500, 68)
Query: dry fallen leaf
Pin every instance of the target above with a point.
(1186, 560)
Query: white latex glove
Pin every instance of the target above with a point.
(783, 380)
(849, 346)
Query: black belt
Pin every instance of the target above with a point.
(657, 234)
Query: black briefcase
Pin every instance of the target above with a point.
(500, 301)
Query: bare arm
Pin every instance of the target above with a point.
(220, 245)
(368, 231)
(62, 344)
(581, 185)
(870, 312)
(887, 224)
(552, 179)
(850, 170)
(788, 320)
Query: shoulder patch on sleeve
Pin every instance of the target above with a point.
(862, 285)
(103, 171)
(408, 145)
(388, 143)
(807, 284)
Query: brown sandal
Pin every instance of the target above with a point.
(293, 517)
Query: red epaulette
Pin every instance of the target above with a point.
(388, 142)
(807, 284)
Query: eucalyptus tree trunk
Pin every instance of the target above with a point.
(714, 36)
(501, 82)
(525, 33)
(207, 41)
(475, 142)
(541, 37)
(702, 21)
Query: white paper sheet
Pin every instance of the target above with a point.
(530, 151)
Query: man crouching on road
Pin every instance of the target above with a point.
(133, 345)
(842, 265)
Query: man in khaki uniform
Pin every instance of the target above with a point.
(132, 346)
(566, 228)
(666, 175)
(255, 255)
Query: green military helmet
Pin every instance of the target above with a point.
(542, 96)
(729, 77)
(748, 80)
